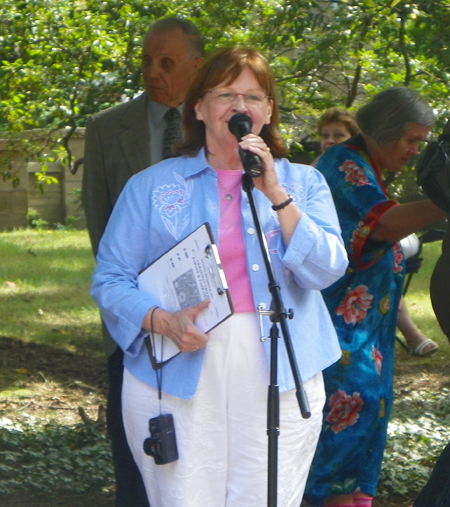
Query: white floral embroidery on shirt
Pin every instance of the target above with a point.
(170, 200)
(297, 192)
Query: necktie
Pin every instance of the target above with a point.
(172, 134)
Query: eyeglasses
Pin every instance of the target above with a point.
(251, 99)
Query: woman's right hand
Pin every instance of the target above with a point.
(179, 326)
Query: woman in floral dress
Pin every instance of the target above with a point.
(363, 304)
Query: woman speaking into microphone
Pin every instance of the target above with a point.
(216, 389)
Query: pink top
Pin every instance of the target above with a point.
(231, 244)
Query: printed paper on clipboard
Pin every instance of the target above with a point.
(184, 276)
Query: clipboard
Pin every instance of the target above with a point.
(185, 275)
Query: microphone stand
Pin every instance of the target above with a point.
(278, 314)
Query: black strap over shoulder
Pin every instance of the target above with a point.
(433, 170)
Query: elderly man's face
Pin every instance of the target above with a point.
(168, 67)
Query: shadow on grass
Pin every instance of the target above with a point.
(61, 316)
(51, 363)
(94, 499)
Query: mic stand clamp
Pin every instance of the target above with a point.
(278, 314)
(268, 313)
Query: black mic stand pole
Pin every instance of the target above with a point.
(277, 314)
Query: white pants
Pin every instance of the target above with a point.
(222, 432)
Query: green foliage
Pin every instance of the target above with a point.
(402, 186)
(418, 431)
(35, 221)
(47, 457)
(42, 178)
(60, 62)
(69, 223)
(77, 198)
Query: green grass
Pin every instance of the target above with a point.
(45, 278)
(50, 303)
(419, 289)
(44, 299)
(49, 300)
(419, 304)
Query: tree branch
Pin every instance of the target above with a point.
(403, 49)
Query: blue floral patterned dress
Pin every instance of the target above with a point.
(363, 305)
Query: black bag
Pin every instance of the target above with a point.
(433, 170)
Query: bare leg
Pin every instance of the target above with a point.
(411, 333)
(362, 500)
(339, 500)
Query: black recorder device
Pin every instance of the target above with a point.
(162, 444)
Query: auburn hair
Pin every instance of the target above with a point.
(224, 65)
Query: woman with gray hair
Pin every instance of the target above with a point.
(363, 304)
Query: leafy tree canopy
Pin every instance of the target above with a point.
(62, 61)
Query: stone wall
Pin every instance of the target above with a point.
(13, 200)
(57, 202)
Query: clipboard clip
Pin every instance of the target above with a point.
(215, 268)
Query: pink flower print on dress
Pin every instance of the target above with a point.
(355, 234)
(358, 234)
(378, 359)
(355, 305)
(344, 410)
(354, 174)
(398, 256)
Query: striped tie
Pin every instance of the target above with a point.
(172, 134)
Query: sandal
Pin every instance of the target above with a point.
(419, 350)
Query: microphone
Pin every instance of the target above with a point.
(240, 125)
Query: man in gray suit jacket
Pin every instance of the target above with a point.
(120, 142)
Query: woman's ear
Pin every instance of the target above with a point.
(269, 112)
(197, 109)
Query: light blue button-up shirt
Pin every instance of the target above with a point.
(160, 206)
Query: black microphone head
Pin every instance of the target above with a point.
(240, 125)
